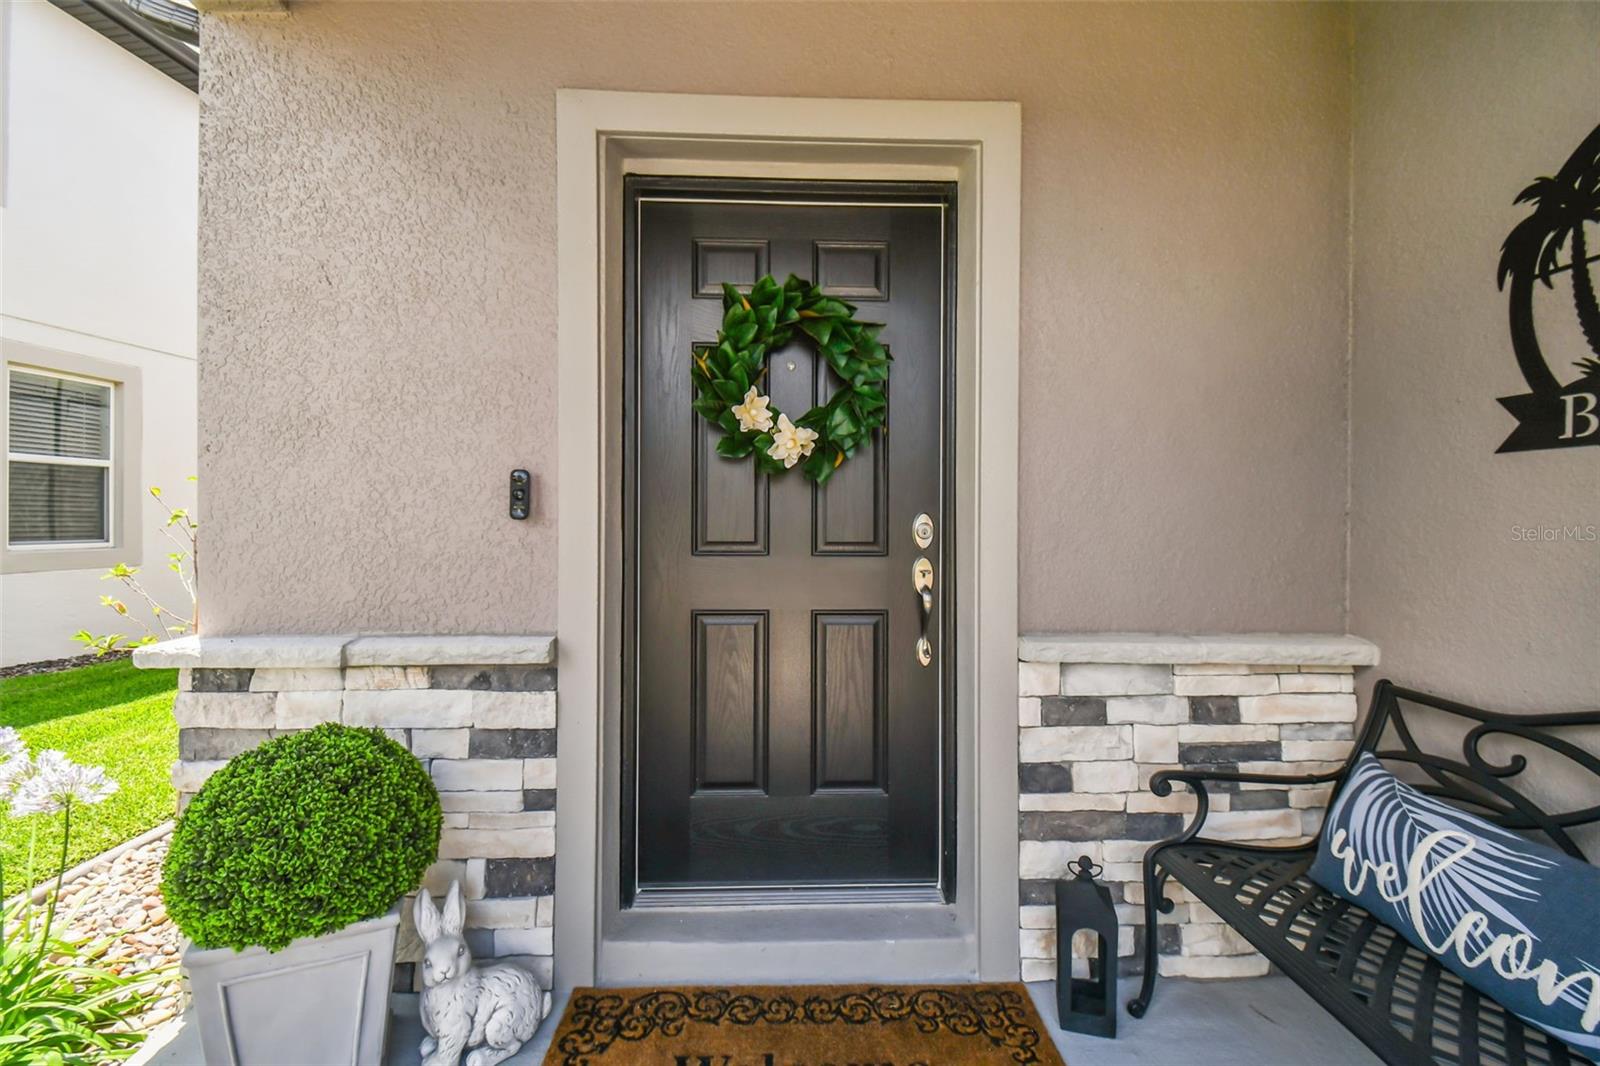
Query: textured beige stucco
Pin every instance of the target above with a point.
(378, 292)
(1458, 108)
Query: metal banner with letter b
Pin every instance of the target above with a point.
(1566, 419)
(1553, 414)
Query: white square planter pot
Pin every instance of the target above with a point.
(321, 1001)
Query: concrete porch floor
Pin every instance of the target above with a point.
(1263, 1021)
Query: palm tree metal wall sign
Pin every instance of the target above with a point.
(1554, 415)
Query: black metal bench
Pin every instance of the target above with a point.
(1397, 999)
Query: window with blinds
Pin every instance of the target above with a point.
(58, 457)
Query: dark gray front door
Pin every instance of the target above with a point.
(780, 730)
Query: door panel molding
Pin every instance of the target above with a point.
(849, 700)
(721, 525)
(857, 271)
(731, 701)
(600, 135)
(718, 260)
(851, 517)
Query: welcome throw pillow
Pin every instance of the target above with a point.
(1517, 920)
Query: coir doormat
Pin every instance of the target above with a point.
(815, 1025)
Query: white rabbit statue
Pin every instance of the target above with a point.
(498, 1007)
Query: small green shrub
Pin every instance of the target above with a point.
(302, 836)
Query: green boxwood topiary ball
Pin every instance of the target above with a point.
(302, 836)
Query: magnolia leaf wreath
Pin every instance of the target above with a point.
(727, 378)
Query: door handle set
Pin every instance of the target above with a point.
(922, 584)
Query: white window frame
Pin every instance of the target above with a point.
(127, 450)
(108, 464)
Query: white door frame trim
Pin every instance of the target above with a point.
(599, 136)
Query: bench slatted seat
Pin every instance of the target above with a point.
(1396, 998)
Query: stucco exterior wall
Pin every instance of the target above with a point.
(1458, 108)
(98, 158)
(378, 293)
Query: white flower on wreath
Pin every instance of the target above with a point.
(57, 781)
(791, 442)
(753, 414)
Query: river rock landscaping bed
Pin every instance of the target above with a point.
(121, 898)
(55, 666)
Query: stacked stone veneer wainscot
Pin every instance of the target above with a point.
(1099, 714)
(480, 712)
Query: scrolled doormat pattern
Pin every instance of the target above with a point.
(818, 1025)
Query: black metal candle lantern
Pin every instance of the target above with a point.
(1086, 1005)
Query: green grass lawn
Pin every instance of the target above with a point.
(109, 714)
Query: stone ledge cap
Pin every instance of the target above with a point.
(484, 650)
(303, 652)
(244, 652)
(1252, 649)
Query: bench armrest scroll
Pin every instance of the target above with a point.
(1161, 782)
(1161, 785)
